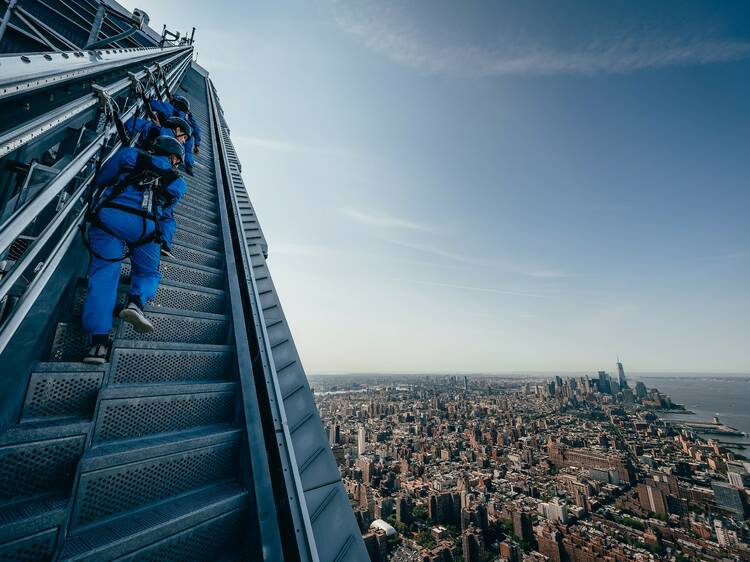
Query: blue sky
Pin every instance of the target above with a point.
(494, 186)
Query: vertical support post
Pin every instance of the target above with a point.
(8, 13)
(97, 25)
(192, 36)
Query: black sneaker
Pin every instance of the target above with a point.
(98, 350)
(188, 169)
(134, 315)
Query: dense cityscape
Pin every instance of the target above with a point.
(477, 469)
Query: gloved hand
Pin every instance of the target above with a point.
(196, 149)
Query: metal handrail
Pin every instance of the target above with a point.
(311, 552)
(36, 286)
(15, 138)
(21, 219)
(20, 74)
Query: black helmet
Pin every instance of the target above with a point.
(165, 146)
(174, 122)
(181, 103)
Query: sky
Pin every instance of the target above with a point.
(500, 186)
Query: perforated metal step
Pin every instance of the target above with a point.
(201, 276)
(149, 363)
(197, 327)
(179, 296)
(32, 469)
(196, 526)
(60, 391)
(117, 480)
(132, 412)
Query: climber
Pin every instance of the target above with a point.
(182, 109)
(138, 192)
(176, 127)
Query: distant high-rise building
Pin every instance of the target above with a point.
(603, 383)
(640, 390)
(466, 382)
(472, 545)
(334, 434)
(361, 440)
(522, 527)
(621, 376)
(510, 551)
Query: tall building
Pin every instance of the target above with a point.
(361, 440)
(604, 383)
(334, 434)
(472, 545)
(621, 376)
(522, 527)
(640, 390)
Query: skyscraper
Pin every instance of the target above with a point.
(361, 442)
(621, 375)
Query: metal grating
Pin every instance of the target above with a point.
(190, 255)
(40, 467)
(179, 329)
(186, 299)
(137, 417)
(120, 489)
(69, 342)
(138, 366)
(196, 226)
(34, 548)
(202, 542)
(61, 394)
(197, 240)
(185, 274)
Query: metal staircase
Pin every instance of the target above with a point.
(198, 441)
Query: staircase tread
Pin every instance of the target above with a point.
(31, 515)
(39, 431)
(163, 389)
(147, 524)
(134, 450)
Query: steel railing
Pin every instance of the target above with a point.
(44, 124)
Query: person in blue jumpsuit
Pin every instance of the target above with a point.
(181, 107)
(138, 189)
(176, 127)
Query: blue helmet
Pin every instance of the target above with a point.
(164, 145)
(174, 122)
(181, 103)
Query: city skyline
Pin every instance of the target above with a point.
(500, 188)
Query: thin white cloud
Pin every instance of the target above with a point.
(387, 30)
(480, 289)
(527, 270)
(384, 221)
(275, 145)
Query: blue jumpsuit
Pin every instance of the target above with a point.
(103, 275)
(195, 138)
(167, 110)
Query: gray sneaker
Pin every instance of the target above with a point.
(134, 315)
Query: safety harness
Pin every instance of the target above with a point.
(152, 183)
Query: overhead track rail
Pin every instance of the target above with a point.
(66, 198)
